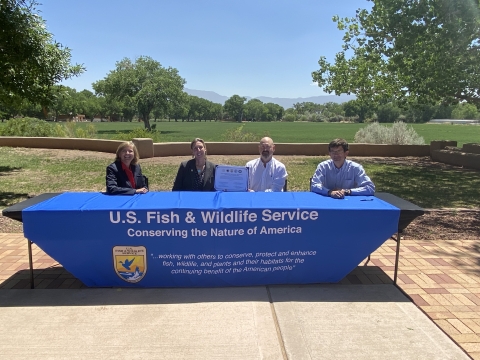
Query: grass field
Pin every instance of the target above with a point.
(283, 132)
(27, 172)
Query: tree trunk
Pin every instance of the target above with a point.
(146, 121)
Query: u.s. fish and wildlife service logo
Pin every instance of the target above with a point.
(130, 262)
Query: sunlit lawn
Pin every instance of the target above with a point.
(24, 172)
(281, 131)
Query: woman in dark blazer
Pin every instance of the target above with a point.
(197, 174)
(124, 176)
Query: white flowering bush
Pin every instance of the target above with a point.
(397, 134)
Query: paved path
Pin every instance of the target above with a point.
(363, 317)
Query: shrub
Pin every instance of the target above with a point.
(28, 127)
(238, 135)
(335, 118)
(289, 118)
(139, 133)
(73, 130)
(465, 111)
(388, 113)
(397, 134)
(313, 117)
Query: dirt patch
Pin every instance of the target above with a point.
(445, 225)
(8, 225)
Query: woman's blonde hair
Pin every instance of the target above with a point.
(192, 144)
(125, 145)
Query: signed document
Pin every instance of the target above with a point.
(231, 178)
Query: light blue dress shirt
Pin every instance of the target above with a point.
(350, 176)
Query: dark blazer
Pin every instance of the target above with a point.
(117, 180)
(186, 176)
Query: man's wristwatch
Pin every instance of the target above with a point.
(348, 192)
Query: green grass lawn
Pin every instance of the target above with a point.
(282, 132)
(286, 132)
(27, 172)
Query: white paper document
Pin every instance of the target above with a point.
(231, 178)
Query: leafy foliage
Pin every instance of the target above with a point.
(290, 117)
(139, 133)
(234, 107)
(388, 113)
(240, 135)
(32, 127)
(142, 85)
(328, 112)
(28, 127)
(31, 62)
(465, 111)
(72, 130)
(397, 134)
(418, 51)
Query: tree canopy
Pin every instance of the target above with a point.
(234, 106)
(144, 84)
(416, 51)
(31, 62)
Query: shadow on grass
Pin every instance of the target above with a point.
(10, 198)
(113, 132)
(127, 131)
(8, 169)
(168, 132)
(428, 187)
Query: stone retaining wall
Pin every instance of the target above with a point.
(109, 146)
(447, 152)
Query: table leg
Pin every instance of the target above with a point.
(32, 284)
(368, 260)
(397, 255)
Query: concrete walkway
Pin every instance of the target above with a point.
(364, 317)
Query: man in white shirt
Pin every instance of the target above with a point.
(266, 173)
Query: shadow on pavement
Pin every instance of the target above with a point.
(56, 287)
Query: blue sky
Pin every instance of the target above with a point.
(249, 48)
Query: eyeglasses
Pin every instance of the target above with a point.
(336, 152)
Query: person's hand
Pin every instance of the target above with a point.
(250, 190)
(337, 194)
(142, 190)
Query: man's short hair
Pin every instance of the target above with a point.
(338, 142)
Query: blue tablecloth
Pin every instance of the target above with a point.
(187, 239)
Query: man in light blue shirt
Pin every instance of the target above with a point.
(340, 177)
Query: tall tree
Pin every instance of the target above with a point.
(234, 106)
(31, 62)
(358, 108)
(255, 110)
(418, 51)
(275, 112)
(144, 84)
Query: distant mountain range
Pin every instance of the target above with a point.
(284, 102)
